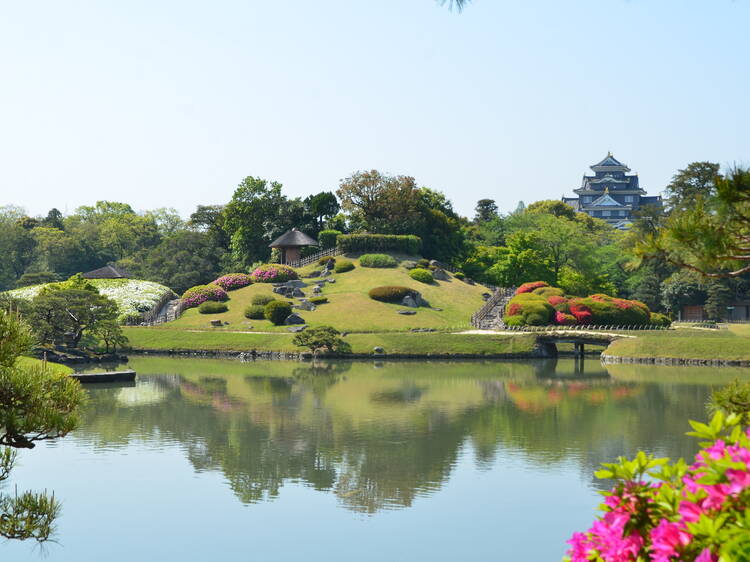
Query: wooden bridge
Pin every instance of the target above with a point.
(549, 339)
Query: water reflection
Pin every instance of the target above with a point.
(378, 438)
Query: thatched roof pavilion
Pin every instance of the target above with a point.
(289, 244)
(107, 272)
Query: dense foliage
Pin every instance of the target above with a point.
(422, 275)
(405, 244)
(232, 281)
(211, 307)
(342, 266)
(390, 293)
(273, 273)
(277, 311)
(256, 311)
(262, 299)
(323, 338)
(327, 238)
(377, 260)
(199, 294)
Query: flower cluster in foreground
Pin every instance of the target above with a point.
(697, 512)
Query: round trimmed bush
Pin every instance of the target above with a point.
(199, 294)
(255, 312)
(548, 292)
(210, 307)
(318, 300)
(459, 275)
(513, 321)
(658, 319)
(232, 281)
(389, 293)
(277, 311)
(422, 275)
(377, 260)
(534, 309)
(529, 287)
(564, 319)
(342, 266)
(325, 260)
(262, 300)
(423, 263)
(273, 273)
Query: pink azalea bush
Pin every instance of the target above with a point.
(199, 294)
(698, 512)
(232, 281)
(273, 273)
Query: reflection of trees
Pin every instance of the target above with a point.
(380, 438)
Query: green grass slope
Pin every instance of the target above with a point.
(350, 308)
(54, 367)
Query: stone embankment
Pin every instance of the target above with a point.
(673, 361)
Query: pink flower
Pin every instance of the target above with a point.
(717, 493)
(579, 547)
(690, 511)
(705, 556)
(738, 480)
(666, 537)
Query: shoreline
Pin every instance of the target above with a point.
(673, 361)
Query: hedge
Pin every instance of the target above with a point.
(342, 266)
(210, 307)
(262, 300)
(327, 238)
(255, 312)
(658, 319)
(422, 275)
(377, 260)
(277, 311)
(404, 244)
(390, 293)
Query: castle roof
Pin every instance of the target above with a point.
(605, 201)
(107, 272)
(609, 162)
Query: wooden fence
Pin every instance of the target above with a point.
(478, 318)
(328, 252)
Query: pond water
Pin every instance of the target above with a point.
(274, 461)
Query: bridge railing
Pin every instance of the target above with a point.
(587, 328)
(498, 295)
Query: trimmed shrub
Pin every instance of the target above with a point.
(534, 309)
(325, 260)
(377, 260)
(422, 275)
(255, 312)
(273, 273)
(514, 321)
(658, 319)
(564, 319)
(232, 281)
(318, 300)
(327, 238)
(210, 307)
(423, 263)
(199, 294)
(322, 337)
(606, 310)
(405, 244)
(38, 278)
(262, 300)
(342, 266)
(459, 275)
(529, 287)
(547, 292)
(277, 311)
(389, 293)
(560, 303)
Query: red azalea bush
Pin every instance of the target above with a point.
(232, 281)
(556, 301)
(533, 309)
(528, 287)
(565, 319)
(199, 294)
(273, 273)
(698, 512)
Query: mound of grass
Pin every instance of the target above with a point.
(389, 293)
(342, 266)
(210, 307)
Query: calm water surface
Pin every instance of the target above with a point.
(221, 460)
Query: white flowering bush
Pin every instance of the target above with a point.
(133, 296)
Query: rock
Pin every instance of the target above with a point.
(217, 323)
(305, 305)
(436, 309)
(317, 290)
(409, 264)
(226, 323)
(293, 319)
(298, 294)
(297, 329)
(407, 312)
(435, 263)
(486, 296)
(409, 301)
(440, 274)
(420, 301)
(314, 274)
(279, 290)
(378, 350)
(331, 280)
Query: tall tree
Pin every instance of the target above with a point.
(485, 211)
(322, 206)
(697, 180)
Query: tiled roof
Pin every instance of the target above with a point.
(293, 237)
(107, 272)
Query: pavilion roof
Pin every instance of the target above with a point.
(107, 272)
(293, 237)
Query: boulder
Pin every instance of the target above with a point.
(407, 312)
(294, 284)
(316, 273)
(298, 293)
(409, 301)
(378, 350)
(293, 319)
(331, 280)
(409, 264)
(217, 323)
(435, 263)
(305, 305)
(437, 309)
(317, 290)
(486, 296)
(297, 329)
(440, 274)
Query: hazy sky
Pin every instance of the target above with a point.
(160, 103)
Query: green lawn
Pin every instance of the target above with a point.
(54, 367)
(438, 343)
(687, 343)
(350, 309)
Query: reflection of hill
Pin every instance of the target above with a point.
(379, 438)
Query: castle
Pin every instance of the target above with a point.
(611, 194)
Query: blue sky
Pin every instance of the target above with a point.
(173, 103)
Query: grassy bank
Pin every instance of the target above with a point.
(437, 343)
(687, 343)
(54, 367)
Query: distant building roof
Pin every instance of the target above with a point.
(107, 272)
(605, 201)
(609, 162)
(293, 237)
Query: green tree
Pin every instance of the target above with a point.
(697, 180)
(718, 296)
(322, 206)
(35, 404)
(110, 333)
(485, 210)
(553, 207)
(322, 337)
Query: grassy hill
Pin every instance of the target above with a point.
(350, 308)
